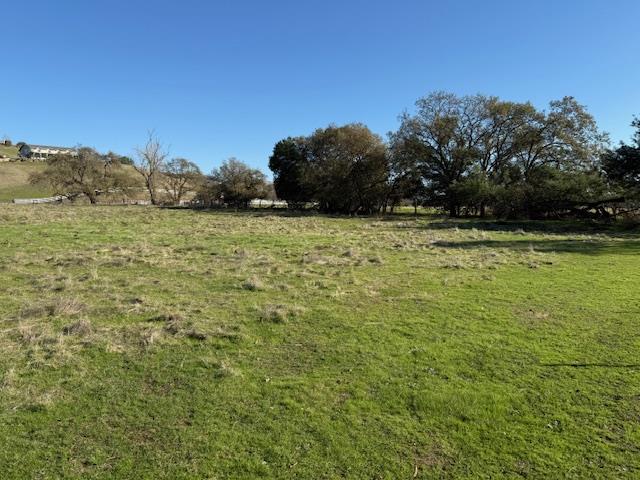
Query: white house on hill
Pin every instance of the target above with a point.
(42, 152)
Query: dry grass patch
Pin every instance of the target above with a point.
(278, 313)
(82, 328)
(175, 324)
(534, 317)
(253, 284)
(59, 307)
(149, 337)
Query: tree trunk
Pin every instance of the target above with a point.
(152, 190)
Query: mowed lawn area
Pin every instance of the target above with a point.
(155, 343)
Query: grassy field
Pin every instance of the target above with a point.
(149, 343)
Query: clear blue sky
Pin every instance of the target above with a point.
(229, 78)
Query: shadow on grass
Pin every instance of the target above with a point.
(537, 226)
(587, 247)
(589, 365)
(434, 221)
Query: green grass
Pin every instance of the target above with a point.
(149, 343)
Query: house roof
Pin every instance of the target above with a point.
(49, 147)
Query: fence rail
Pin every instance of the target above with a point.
(28, 201)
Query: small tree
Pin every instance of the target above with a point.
(235, 183)
(290, 166)
(180, 176)
(150, 163)
(84, 173)
(348, 168)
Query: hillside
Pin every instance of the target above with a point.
(10, 152)
(14, 180)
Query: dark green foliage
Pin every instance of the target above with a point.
(234, 183)
(341, 169)
(474, 192)
(121, 159)
(289, 164)
(623, 164)
(480, 153)
(405, 175)
(348, 169)
(470, 155)
(549, 192)
(125, 160)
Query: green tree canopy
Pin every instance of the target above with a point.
(234, 183)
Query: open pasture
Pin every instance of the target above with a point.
(157, 343)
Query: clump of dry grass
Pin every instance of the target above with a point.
(195, 334)
(66, 307)
(91, 275)
(253, 284)
(149, 337)
(277, 313)
(314, 258)
(174, 322)
(40, 344)
(168, 317)
(225, 369)
(454, 264)
(240, 252)
(533, 317)
(82, 327)
(60, 307)
(226, 334)
(29, 334)
(220, 368)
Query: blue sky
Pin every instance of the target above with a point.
(218, 79)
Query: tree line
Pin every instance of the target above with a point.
(91, 174)
(470, 155)
(464, 155)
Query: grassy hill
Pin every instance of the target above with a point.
(14, 181)
(158, 343)
(10, 152)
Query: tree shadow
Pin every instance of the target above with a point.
(590, 365)
(567, 227)
(587, 247)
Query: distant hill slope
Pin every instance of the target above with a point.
(14, 180)
(10, 152)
